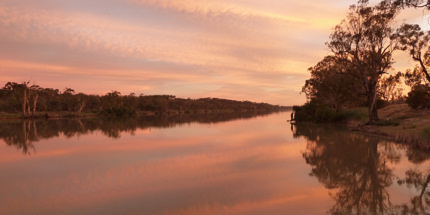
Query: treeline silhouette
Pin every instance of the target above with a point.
(33, 100)
(23, 133)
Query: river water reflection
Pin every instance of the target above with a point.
(210, 165)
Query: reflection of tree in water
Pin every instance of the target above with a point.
(354, 165)
(419, 179)
(22, 133)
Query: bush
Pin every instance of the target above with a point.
(426, 133)
(315, 111)
(419, 97)
(361, 114)
(325, 114)
(118, 112)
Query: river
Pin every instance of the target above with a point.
(211, 165)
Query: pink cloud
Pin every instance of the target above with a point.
(148, 46)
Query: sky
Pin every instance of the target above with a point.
(235, 49)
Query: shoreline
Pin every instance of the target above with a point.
(402, 125)
(398, 123)
(412, 140)
(64, 115)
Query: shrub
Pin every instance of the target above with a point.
(361, 114)
(419, 97)
(315, 111)
(118, 112)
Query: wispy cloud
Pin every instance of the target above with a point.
(187, 48)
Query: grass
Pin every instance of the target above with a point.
(425, 133)
(357, 114)
(4, 115)
(407, 122)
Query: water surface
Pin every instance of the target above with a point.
(214, 165)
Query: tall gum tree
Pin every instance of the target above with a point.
(405, 3)
(364, 39)
(416, 41)
(334, 83)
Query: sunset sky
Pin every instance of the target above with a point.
(236, 49)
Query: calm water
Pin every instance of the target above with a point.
(257, 165)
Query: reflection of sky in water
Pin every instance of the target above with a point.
(249, 166)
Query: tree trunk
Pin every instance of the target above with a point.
(373, 110)
(24, 102)
(424, 69)
(28, 106)
(81, 107)
(35, 104)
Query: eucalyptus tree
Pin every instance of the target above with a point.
(416, 42)
(16, 93)
(334, 82)
(364, 39)
(32, 98)
(405, 3)
(413, 3)
(388, 87)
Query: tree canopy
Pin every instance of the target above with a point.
(29, 100)
(362, 49)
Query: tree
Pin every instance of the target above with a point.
(19, 92)
(32, 98)
(414, 40)
(406, 3)
(364, 39)
(112, 99)
(81, 102)
(334, 83)
(68, 101)
(419, 96)
(388, 89)
(415, 77)
(413, 3)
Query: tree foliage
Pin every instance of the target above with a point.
(335, 83)
(416, 42)
(388, 89)
(364, 40)
(29, 100)
(419, 96)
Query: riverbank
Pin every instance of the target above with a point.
(41, 115)
(400, 123)
(65, 114)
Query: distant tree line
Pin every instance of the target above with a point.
(33, 100)
(356, 73)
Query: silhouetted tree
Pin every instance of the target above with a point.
(32, 98)
(416, 41)
(419, 96)
(407, 3)
(334, 82)
(388, 87)
(364, 39)
(18, 92)
(15, 97)
(415, 77)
